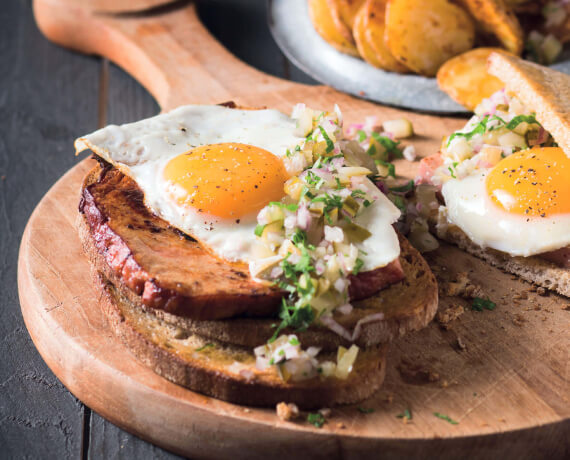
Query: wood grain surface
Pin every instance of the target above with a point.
(508, 388)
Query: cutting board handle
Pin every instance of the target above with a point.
(167, 50)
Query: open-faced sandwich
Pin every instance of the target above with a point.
(247, 255)
(505, 177)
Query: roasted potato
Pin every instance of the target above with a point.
(423, 34)
(495, 17)
(374, 24)
(465, 77)
(348, 10)
(327, 23)
(362, 44)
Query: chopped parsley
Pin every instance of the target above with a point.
(447, 418)
(294, 341)
(289, 207)
(530, 119)
(482, 128)
(330, 143)
(314, 180)
(202, 348)
(316, 419)
(365, 410)
(357, 194)
(407, 414)
(357, 266)
(390, 145)
(479, 304)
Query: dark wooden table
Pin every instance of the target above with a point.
(48, 97)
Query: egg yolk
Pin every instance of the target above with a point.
(228, 180)
(534, 182)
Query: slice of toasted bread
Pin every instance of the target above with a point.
(532, 269)
(543, 90)
(226, 371)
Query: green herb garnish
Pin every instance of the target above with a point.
(289, 207)
(407, 414)
(365, 410)
(208, 345)
(357, 266)
(330, 143)
(479, 304)
(294, 341)
(390, 145)
(446, 418)
(530, 119)
(316, 419)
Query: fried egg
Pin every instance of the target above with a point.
(521, 206)
(209, 170)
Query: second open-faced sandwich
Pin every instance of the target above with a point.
(505, 177)
(247, 255)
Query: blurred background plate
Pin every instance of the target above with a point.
(294, 33)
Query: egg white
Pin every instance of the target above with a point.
(142, 149)
(471, 209)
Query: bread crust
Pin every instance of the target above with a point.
(532, 269)
(174, 357)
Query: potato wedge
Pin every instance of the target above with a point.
(495, 17)
(348, 10)
(362, 44)
(342, 28)
(465, 77)
(374, 25)
(423, 34)
(328, 26)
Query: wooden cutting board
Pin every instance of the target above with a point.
(502, 374)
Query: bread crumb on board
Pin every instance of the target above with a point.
(460, 344)
(461, 286)
(287, 411)
(450, 314)
(416, 373)
(519, 320)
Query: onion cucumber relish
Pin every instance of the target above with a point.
(501, 126)
(319, 235)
